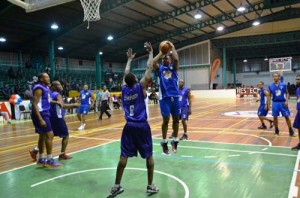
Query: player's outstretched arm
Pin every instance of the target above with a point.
(147, 77)
(156, 59)
(175, 56)
(130, 57)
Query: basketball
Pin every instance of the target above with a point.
(164, 47)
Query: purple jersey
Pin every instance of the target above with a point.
(263, 98)
(168, 81)
(183, 98)
(85, 97)
(55, 110)
(44, 102)
(133, 101)
(278, 92)
(298, 98)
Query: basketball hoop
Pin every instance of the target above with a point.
(91, 9)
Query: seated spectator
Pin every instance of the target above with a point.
(11, 73)
(115, 102)
(17, 89)
(153, 96)
(47, 70)
(28, 64)
(6, 92)
(5, 114)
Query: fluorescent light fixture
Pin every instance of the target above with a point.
(241, 8)
(220, 28)
(110, 37)
(245, 60)
(2, 39)
(54, 26)
(266, 58)
(198, 16)
(60, 48)
(256, 23)
(100, 53)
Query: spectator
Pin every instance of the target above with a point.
(47, 69)
(17, 89)
(115, 102)
(11, 73)
(28, 64)
(6, 92)
(153, 96)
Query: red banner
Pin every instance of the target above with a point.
(215, 66)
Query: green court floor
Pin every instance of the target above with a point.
(199, 169)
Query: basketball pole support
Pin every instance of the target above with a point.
(51, 58)
(224, 69)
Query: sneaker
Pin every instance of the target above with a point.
(174, 146)
(64, 157)
(52, 164)
(33, 154)
(171, 136)
(152, 189)
(271, 124)
(165, 148)
(184, 137)
(276, 132)
(8, 122)
(115, 190)
(41, 162)
(81, 127)
(262, 127)
(296, 147)
(291, 132)
(109, 116)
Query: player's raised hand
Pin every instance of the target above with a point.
(148, 46)
(130, 54)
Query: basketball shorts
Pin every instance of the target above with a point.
(279, 107)
(83, 109)
(297, 121)
(184, 113)
(136, 137)
(170, 105)
(38, 129)
(261, 110)
(59, 127)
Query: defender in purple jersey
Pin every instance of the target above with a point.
(41, 120)
(297, 117)
(263, 108)
(168, 94)
(279, 93)
(57, 114)
(136, 135)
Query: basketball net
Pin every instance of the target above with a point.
(91, 9)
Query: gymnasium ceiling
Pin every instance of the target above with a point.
(132, 22)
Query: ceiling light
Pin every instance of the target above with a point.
(54, 26)
(256, 23)
(220, 28)
(266, 58)
(198, 16)
(241, 8)
(245, 60)
(100, 53)
(2, 39)
(60, 48)
(110, 37)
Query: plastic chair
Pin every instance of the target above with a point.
(23, 110)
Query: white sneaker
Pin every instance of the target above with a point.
(81, 127)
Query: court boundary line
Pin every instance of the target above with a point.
(293, 191)
(186, 189)
(3, 172)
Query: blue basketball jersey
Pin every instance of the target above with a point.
(85, 97)
(298, 98)
(44, 102)
(183, 98)
(133, 101)
(263, 98)
(168, 81)
(278, 92)
(55, 110)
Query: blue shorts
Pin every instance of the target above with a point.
(170, 105)
(297, 121)
(59, 127)
(38, 129)
(136, 136)
(184, 113)
(261, 110)
(279, 107)
(83, 109)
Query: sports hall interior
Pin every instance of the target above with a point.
(224, 47)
